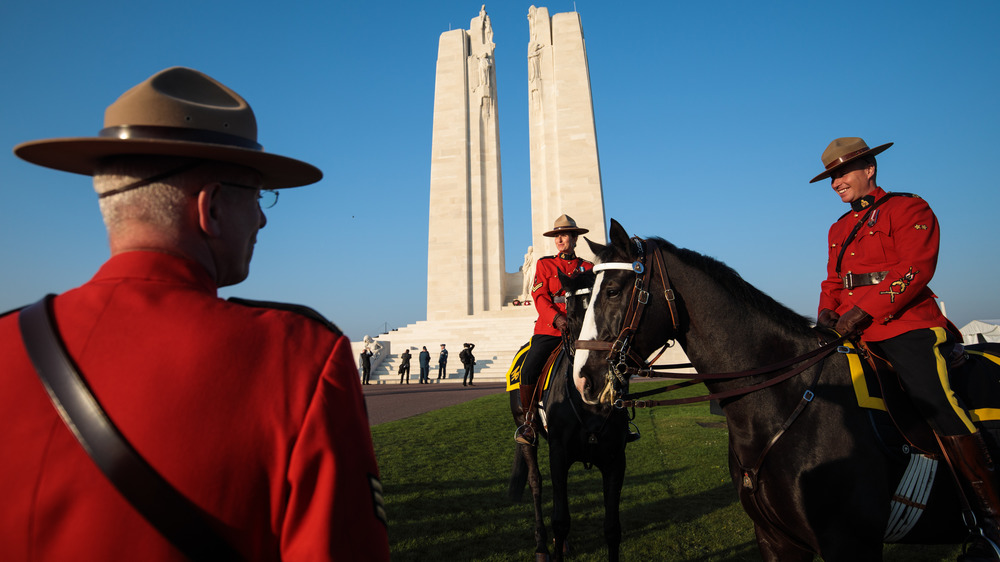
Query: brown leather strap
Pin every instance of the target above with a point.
(166, 509)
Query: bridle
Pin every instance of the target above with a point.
(623, 361)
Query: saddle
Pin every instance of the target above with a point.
(542, 388)
(974, 375)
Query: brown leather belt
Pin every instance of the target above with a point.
(852, 280)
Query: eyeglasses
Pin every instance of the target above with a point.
(267, 198)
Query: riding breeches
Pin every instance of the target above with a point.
(920, 358)
(541, 347)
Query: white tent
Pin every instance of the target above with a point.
(979, 331)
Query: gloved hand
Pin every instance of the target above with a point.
(827, 319)
(560, 322)
(854, 320)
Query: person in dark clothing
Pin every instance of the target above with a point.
(425, 366)
(443, 363)
(469, 361)
(404, 367)
(366, 365)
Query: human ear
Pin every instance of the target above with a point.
(209, 209)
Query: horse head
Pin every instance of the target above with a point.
(608, 349)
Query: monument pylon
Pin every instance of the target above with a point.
(465, 253)
(465, 257)
(565, 168)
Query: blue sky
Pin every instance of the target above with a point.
(711, 117)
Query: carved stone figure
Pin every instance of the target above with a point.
(527, 274)
(373, 346)
(484, 74)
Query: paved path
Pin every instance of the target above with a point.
(391, 402)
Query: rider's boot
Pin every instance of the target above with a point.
(526, 433)
(971, 460)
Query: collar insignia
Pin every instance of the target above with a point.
(863, 203)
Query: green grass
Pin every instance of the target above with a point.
(445, 476)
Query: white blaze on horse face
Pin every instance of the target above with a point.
(587, 332)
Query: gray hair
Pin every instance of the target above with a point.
(160, 203)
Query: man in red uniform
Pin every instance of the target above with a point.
(546, 291)
(882, 255)
(251, 411)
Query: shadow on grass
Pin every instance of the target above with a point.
(445, 476)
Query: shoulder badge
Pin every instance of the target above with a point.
(299, 309)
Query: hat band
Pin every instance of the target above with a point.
(149, 132)
(846, 157)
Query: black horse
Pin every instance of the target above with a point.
(576, 432)
(808, 464)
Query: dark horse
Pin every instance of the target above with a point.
(808, 464)
(576, 432)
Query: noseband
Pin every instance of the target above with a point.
(622, 360)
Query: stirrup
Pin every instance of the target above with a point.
(977, 535)
(632, 436)
(520, 438)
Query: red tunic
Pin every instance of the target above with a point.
(255, 414)
(546, 287)
(902, 239)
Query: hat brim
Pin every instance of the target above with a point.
(871, 152)
(567, 230)
(82, 156)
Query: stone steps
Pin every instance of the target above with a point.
(497, 336)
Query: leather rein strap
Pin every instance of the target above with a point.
(165, 508)
(633, 315)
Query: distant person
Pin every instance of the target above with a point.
(404, 366)
(882, 254)
(366, 365)
(443, 363)
(250, 411)
(425, 366)
(468, 361)
(550, 302)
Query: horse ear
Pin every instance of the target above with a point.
(619, 238)
(594, 246)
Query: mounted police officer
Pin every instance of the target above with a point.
(882, 255)
(547, 294)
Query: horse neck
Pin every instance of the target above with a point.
(726, 333)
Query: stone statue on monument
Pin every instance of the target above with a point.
(373, 346)
(531, 23)
(484, 74)
(527, 274)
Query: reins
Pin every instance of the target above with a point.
(624, 362)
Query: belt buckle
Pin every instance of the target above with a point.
(848, 281)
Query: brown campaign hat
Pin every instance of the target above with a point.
(565, 225)
(844, 150)
(175, 112)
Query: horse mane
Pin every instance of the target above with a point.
(729, 280)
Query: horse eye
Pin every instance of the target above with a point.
(614, 292)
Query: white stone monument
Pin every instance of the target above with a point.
(565, 169)
(465, 250)
(465, 254)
